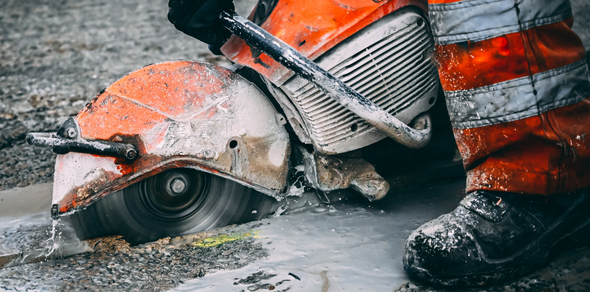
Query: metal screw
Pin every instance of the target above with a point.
(178, 185)
(72, 133)
(54, 211)
(131, 154)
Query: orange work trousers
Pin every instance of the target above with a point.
(517, 88)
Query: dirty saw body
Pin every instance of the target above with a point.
(178, 114)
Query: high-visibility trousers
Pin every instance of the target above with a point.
(517, 90)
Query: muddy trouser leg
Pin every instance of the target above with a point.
(517, 89)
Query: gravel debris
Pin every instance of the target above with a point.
(22, 165)
(116, 266)
(255, 278)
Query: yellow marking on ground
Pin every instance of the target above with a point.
(224, 238)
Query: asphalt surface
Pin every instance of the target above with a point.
(55, 56)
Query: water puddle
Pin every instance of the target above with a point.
(351, 245)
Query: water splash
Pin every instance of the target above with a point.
(36, 237)
(53, 242)
(296, 191)
(280, 211)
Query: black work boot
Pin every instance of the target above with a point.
(493, 237)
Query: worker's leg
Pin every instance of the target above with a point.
(517, 86)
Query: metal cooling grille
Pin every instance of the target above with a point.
(393, 72)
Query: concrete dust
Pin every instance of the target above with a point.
(109, 244)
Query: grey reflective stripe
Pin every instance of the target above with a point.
(516, 99)
(476, 20)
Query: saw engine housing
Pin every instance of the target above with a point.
(387, 62)
(380, 49)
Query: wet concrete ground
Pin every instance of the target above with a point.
(348, 245)
(57, 54)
